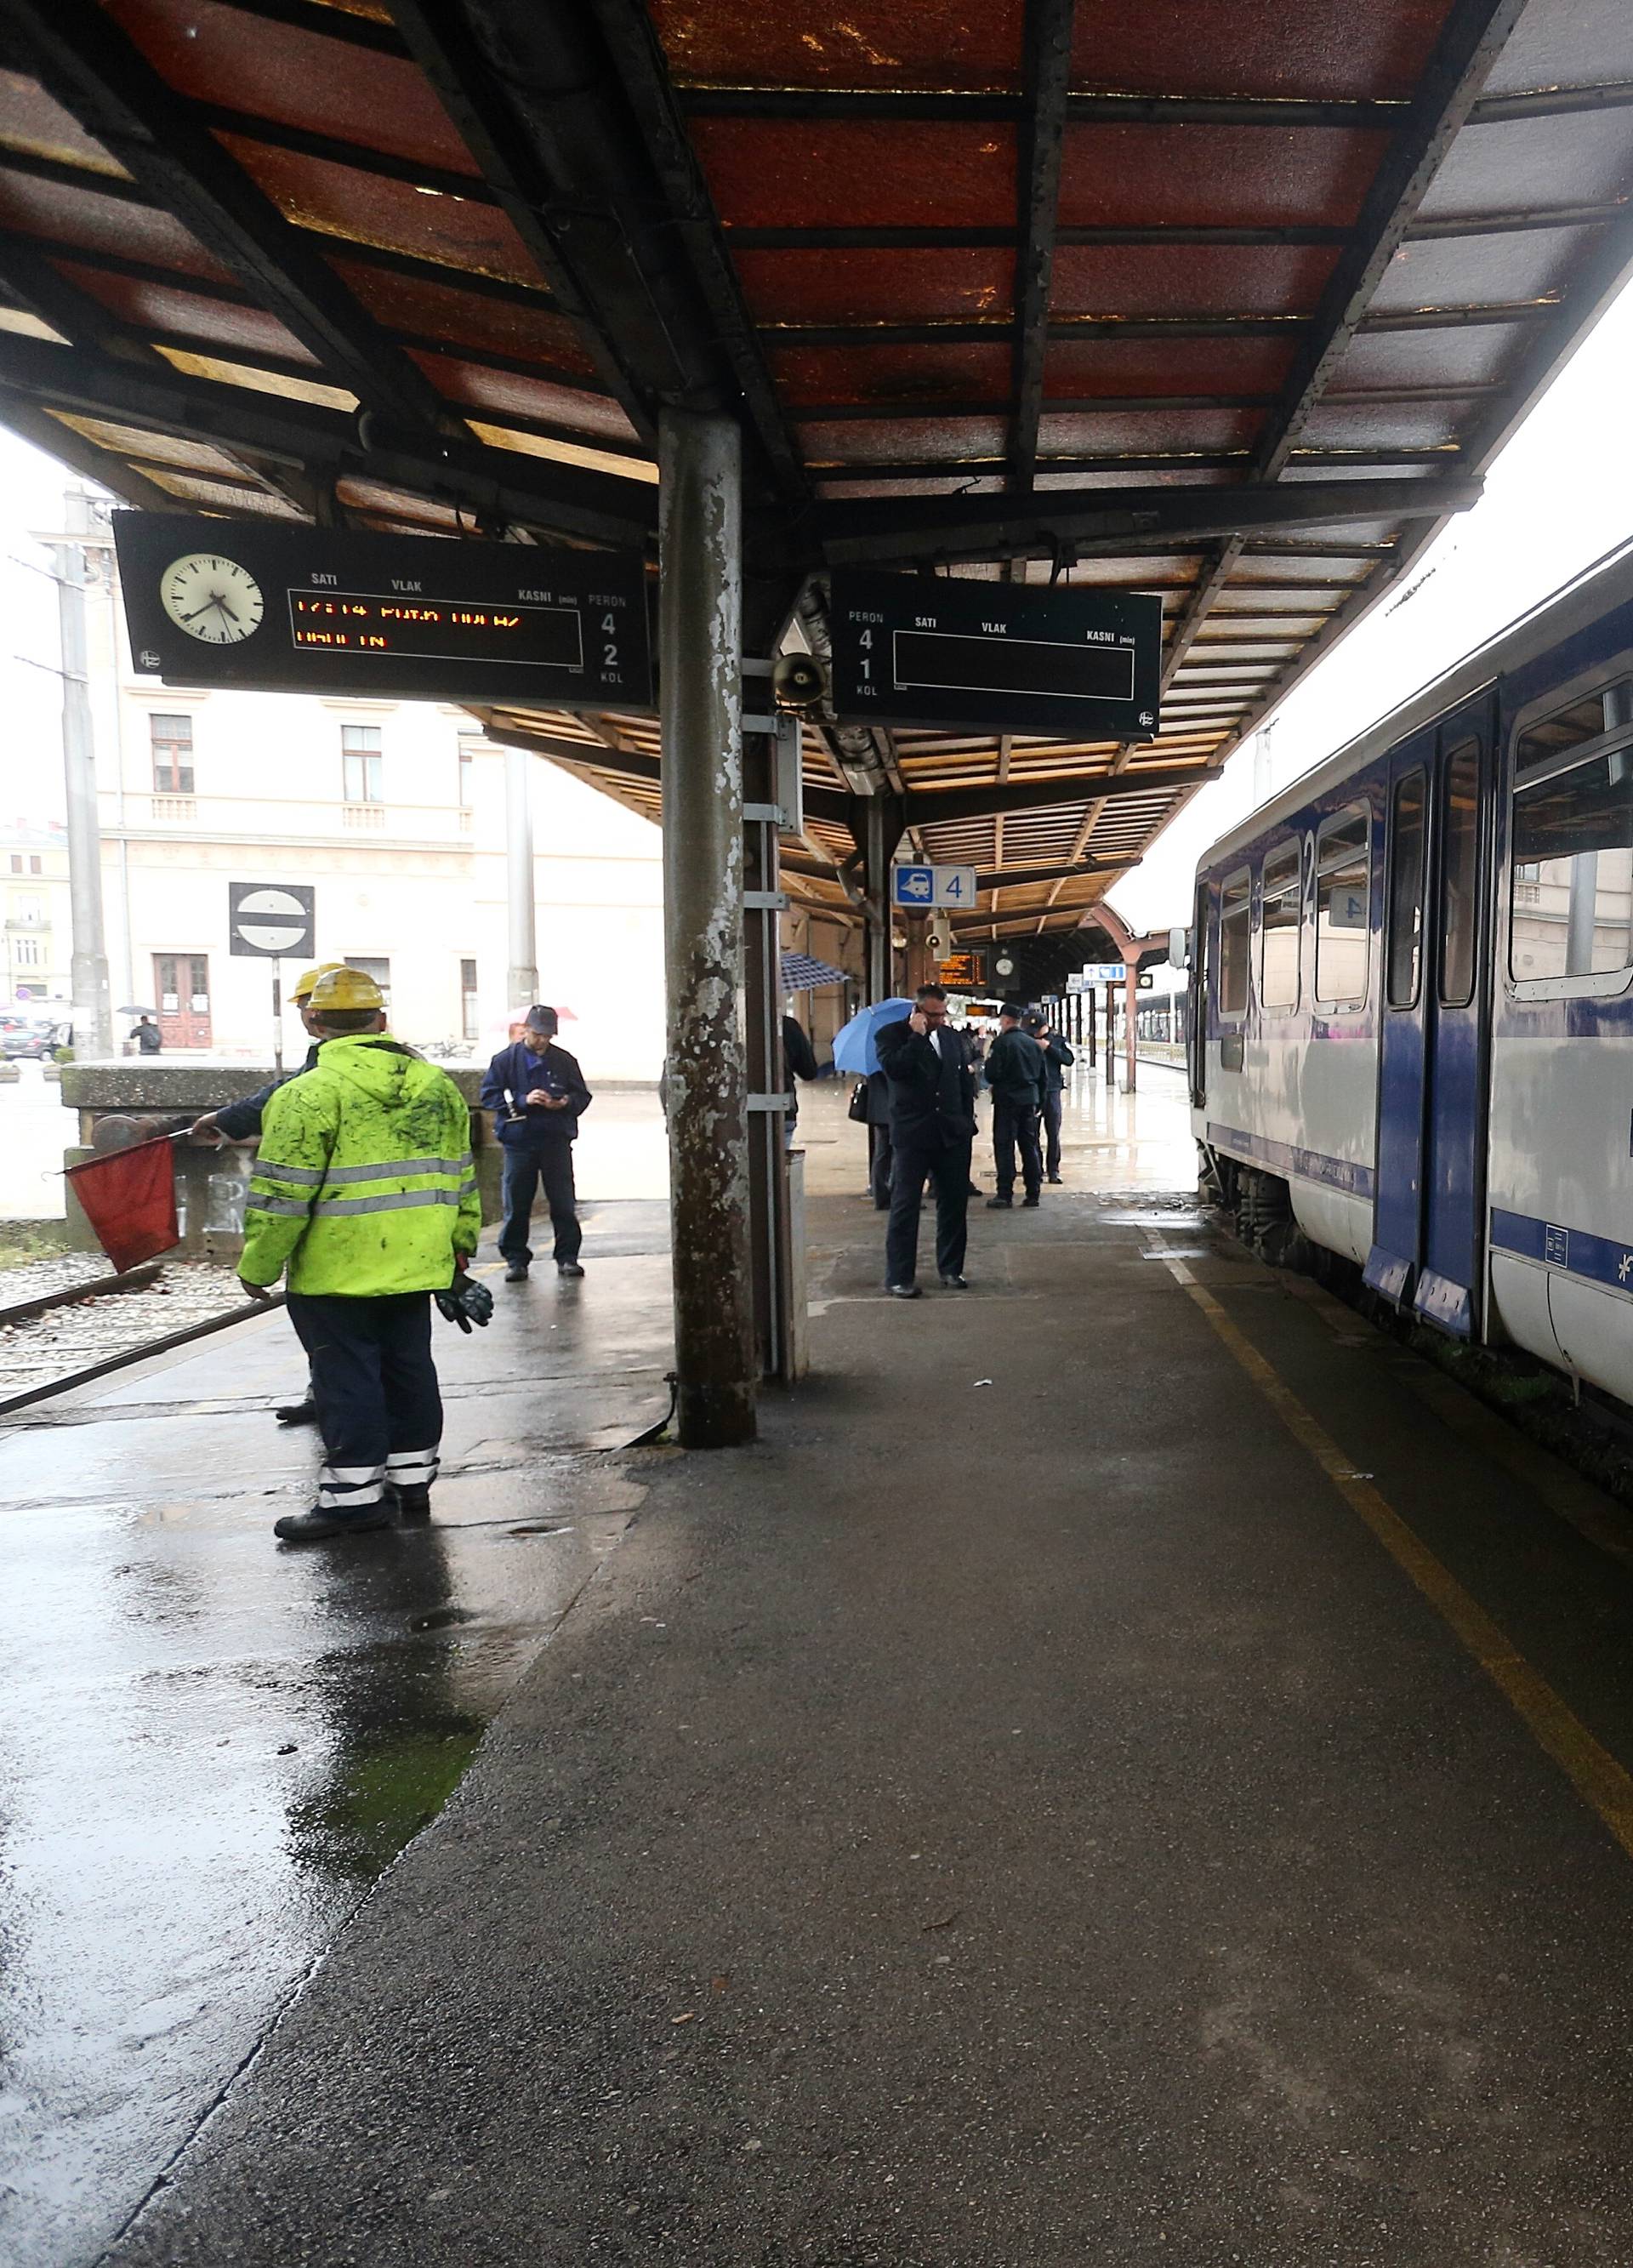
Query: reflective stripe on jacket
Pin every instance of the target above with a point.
(364, 1183)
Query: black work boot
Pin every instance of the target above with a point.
(516, 1272)
(297, 1413)
(414, 1499)
(319, 1527)
(999, 1205)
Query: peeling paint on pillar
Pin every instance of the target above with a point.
(700, 651)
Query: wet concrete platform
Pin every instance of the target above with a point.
(209, 1745)
(1031, 1808)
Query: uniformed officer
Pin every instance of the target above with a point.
(365, 1187)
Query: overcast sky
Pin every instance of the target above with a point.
(1559, 498)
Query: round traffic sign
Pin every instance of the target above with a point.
(273, 921)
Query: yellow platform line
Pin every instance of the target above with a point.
(1598, 1778)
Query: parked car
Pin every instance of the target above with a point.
(33, 1042)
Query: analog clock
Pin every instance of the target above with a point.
(211, 598)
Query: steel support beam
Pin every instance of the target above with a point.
(521, 926)
(1041, 143)
(910, 530)
(934, 806)
(700, 649)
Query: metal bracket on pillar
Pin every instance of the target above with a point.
(777, 1278)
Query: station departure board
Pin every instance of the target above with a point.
(285, 608)
(1055, 662)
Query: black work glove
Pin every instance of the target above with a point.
(466, 1302)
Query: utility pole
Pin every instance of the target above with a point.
(522, 977)
(94, 1018)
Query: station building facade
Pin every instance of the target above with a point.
(393, 813)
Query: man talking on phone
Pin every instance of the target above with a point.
(932, 1125)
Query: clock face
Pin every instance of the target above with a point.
(211, 598)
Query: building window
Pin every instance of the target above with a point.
(1571, 841)
(172, 739)
(1235, 942)
(28, 910)
(361, 761)
(467, 773)
(1281, 920)
(26, 951)
(17, 862)
(1343, 907)
(379, 970)
(1407, 839)
(468, 999)
(34, 865)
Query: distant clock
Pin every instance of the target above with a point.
(211, 599)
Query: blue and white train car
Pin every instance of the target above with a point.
(1411, 995)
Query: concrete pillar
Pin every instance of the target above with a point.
(1130, 1020)
(522, 977)
(1111, 1036)
(93, 1017)
(699, 661)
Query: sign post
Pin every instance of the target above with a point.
(265, 921)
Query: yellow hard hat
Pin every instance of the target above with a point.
(340, 987)
(302, 988)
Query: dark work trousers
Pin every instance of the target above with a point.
(1015, 1125)
(881, 1163)
(1052, 1101)
(949, 1170)
(551, 1163)
(375, 1385)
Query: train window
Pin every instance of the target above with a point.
(1343, 907)
(1408, 838)
(1572, 904)
(1281, 918)
(1460, 836)
(1235, 942)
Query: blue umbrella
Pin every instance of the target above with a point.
(855, 1048)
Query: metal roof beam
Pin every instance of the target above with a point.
(1015, 877)
(911, 530)
(31, 424)
(533, 492)
(1040, 146)
(1472, 38)
(927, 806)
(954, 237)
(824, 105)
(830, 804)
(97, 73)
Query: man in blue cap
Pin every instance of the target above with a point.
(536, 1093)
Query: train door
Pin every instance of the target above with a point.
(1196, 1001)
(1428, 1232)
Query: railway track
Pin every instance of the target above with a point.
(68, 1321)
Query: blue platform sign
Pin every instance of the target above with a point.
(916, 889)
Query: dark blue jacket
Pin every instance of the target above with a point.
(512, 1072)
(240, 1122)
(1058, 1061)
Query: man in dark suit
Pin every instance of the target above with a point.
(1015, 1073)
(1058, 1061)
(933, 1124)
(536, 1093)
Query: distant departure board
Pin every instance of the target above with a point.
(1058, 662)
(282, 608)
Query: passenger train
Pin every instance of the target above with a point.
(1411, 1002)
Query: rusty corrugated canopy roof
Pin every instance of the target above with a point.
(1225, 300)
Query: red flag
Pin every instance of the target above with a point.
(129, 1198)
